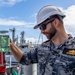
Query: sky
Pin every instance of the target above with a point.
(21, 15)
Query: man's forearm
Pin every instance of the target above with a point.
(16, 51)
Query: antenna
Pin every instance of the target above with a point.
(13, 34)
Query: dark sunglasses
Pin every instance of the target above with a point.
(43, 26)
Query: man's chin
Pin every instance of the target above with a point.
(49, 38)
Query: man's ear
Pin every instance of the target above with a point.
(56, 22)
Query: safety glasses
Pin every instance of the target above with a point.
(43, 26)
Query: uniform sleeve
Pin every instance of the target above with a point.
(30, 57)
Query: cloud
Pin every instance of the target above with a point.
(15, 22)
(70, 13)
(9, 2)
(69, 20)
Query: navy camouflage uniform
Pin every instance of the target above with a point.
(53, 60)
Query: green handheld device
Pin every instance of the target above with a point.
(4, 41)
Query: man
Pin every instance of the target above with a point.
(56, 56)
(2, 64)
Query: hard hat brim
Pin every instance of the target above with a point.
(36, 26)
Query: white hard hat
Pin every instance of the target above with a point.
(46, 12)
